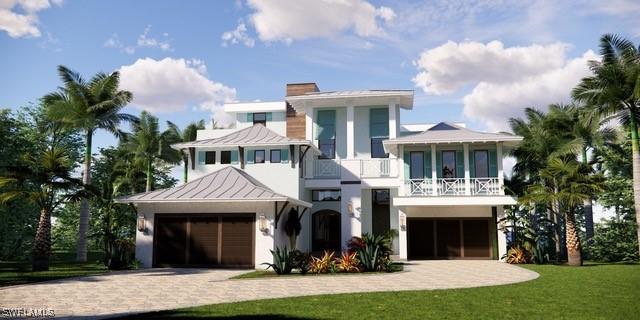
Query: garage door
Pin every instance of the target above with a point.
(205, 240)
(448, 238)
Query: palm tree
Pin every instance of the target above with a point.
(148, 145)
(40, 180)
(568, 183)
(88, 106)
(187, 135)
(614, 89)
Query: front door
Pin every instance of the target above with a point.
(326, 231)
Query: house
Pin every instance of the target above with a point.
(344, 162)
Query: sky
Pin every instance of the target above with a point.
(478, 62)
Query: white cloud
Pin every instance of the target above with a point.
(171, 85)
(239, 35)
(144, 41)
(19, 18)
(287, 21)
(504, 80)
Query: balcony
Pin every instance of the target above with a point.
(347, 169)
(453, 187)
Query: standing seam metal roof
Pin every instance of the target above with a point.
(255, 135)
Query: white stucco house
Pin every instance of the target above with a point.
(345, 162)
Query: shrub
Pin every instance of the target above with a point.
(348, 262)
(122, 256)
(615, 240)
(323, 264)
(301, 261)
(374, 250)
(518, 255)
(282, 261)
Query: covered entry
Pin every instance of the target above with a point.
(463, 238)
(204, 240)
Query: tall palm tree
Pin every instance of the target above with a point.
(149, 145)
(614, 89)
(187, 135)
(569, 183)
(88, 106)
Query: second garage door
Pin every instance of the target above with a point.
(205, 240)
(449, 238)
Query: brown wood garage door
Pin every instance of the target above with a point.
(448, 238)
(204, 240)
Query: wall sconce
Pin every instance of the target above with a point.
(263, 224)
(141, 223)
(403, 222)
(350, 208)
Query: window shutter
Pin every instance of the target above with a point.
(493, 163)
(427, 164)
(326, 125)
(269, 116)
(201, 157)
(472, 163)
(249, 117)
(406, 165)
(379, 123)
(234, 156)
(459, 164)
(249, 155)
(284, 155)
(438, 164)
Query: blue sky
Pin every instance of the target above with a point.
(479, 62)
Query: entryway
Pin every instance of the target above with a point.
(464, 238)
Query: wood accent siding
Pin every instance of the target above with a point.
(296, 121)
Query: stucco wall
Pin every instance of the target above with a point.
(263, 241)
(278, 122)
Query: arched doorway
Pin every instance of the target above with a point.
(326, 231)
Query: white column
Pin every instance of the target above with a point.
(500, 171)
(467, 174)
(392, 120)
(308, 123)
(502, 237)
(350, 133)
(402, 237)
(351, 225)
(400, 168)
(434, 171)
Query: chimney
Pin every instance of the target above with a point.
(296, 125)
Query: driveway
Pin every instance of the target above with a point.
(120, 293)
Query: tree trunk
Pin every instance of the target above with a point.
(83, 228)
(186, 169)
(42, 249)
(635, 152)
(149, 175)
(574, 250)
(587, 206)
(556, 232)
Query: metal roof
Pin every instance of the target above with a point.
(255, 136)
(228, 184)
(444, 132)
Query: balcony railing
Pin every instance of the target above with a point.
(350, 168)
(375, 168)
(452, 187)
(326, 168)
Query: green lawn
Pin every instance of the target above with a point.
(62, 266)
(595, 291)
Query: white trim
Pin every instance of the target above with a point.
(241, 107)
(291, 200)
(454, 201)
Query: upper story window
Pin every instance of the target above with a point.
(326, 195)
(378, 131)
(377, 149)
(448, 164)
(225, 157)
(210, 157)
(481, 163)
(327, 148)
(416, 165)
(259, 156)
(260, 117)
(275, 156)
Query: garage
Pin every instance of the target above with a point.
(204, 240)
(465, 238)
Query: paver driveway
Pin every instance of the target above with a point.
(160, 289)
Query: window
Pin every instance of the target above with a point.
(259, 156)
(260, 117)
(210, 157)
(377, 150)
(448, 164)
(275, 156)
(416, 165)
(326, 195)
(327, 148)
(225, 157)
(481, 163)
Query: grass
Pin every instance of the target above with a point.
(61, 266)
(595, 291)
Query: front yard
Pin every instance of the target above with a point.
(595, 291)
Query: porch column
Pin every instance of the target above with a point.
(350, 132)
(500, 171)
(308, 121)
(467, 174)
(434, 171)
(392, 119)
(400, 168)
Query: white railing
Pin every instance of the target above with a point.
(326, 168)
(485, 186)
(450, 186)
(419, 187)
(375, 168)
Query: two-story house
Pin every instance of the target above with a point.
(348, 166)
